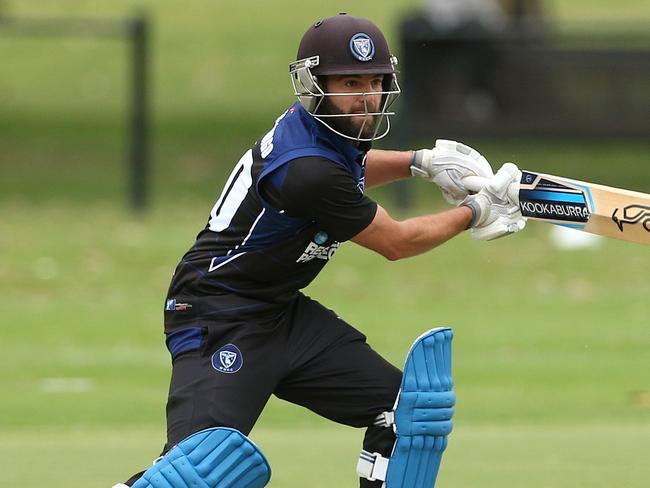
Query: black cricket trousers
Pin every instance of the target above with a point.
(307, 356)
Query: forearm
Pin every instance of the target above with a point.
(402, 239)
(385, 166)
(421, 234)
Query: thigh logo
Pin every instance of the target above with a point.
(228, 359)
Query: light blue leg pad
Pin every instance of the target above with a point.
(213, 458)
(421, 417)
(423, 412)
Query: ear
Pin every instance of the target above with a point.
(387, 82)
(321, 81)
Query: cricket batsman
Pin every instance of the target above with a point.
(237, 326)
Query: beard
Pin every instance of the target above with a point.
(355, 126)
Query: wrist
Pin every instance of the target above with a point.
(474, 218)
(416, 164)
(468, 225)
(477, 209)
(412, 159)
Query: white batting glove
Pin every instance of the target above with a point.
(447, 164)
(494, 211)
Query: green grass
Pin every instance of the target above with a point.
(589, 456)
(550, 351)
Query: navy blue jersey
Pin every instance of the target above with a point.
(283, 212)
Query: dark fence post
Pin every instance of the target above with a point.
(136, 32)
(140, 113)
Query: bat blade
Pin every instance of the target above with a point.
(598, 209)
(589, 207)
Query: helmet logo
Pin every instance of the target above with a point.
(362, 47)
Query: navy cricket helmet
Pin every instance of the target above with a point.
(344, 45)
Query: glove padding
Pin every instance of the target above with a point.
(495, 211)
(447, 164)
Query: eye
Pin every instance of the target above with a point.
(377, 84)
(352, 83)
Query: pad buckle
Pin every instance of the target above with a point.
(385, 419)
(372, 466)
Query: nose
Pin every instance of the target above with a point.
(369, 96)
(369, 88)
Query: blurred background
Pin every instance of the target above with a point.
(119, 122)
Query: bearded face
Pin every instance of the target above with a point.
(355, 96)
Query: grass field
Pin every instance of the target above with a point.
(551, 349)
(550, 352)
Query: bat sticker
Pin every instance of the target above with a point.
(543, 198)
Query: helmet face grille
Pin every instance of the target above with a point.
(344, 45)
(311, 95)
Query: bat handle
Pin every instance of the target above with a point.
(476, 184)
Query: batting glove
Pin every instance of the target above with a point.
(447, 164)
(494, 211)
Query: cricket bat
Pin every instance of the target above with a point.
(589, 207)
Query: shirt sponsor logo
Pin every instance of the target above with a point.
(228, 359)
(316, 251)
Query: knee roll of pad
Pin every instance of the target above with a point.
(218, 457)
(421, 417)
